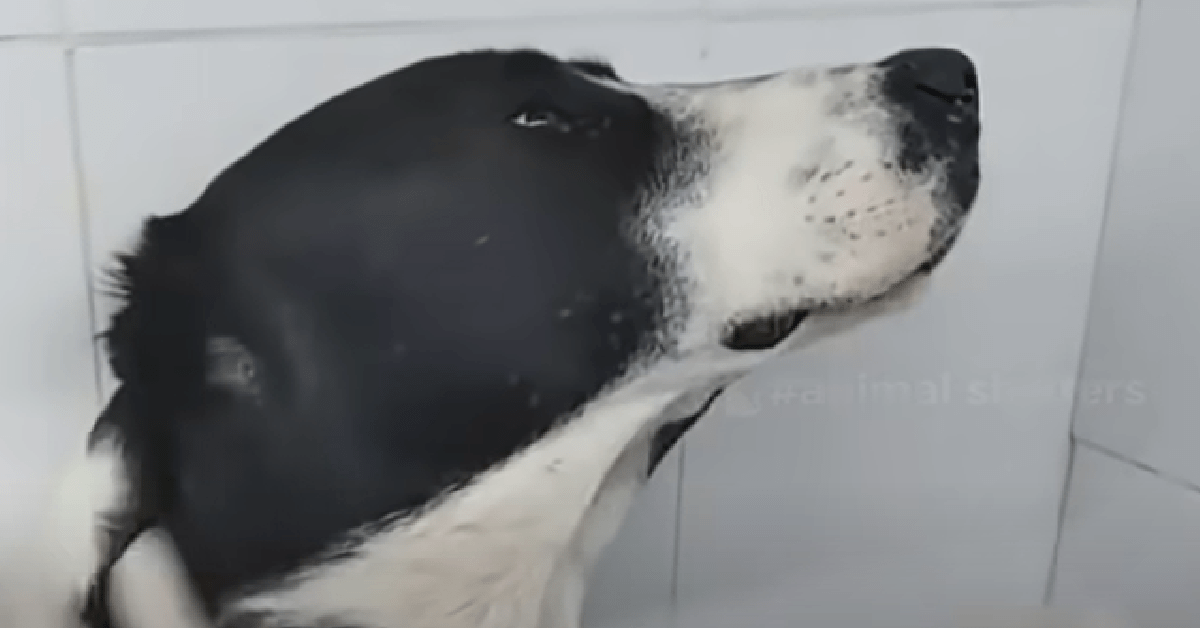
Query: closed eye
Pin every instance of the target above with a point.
(538, 118)
(555, 120)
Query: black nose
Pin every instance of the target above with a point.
(940, 80)
(937, 89)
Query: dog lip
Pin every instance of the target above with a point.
(934, 260)
(762, 333)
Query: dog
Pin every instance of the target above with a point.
(406, 363)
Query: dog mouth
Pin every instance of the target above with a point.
(938, 255)
(762, 333)
(765, 332)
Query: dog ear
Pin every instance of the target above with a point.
(97, 509)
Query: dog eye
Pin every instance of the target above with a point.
(542, 118)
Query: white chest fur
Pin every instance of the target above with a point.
(511, 550)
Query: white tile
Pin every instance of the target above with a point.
(159, 121)
(126, 15)
(47, 379)
(1129, 545)
(1142, 335)
(739, 8)
(917, 463)
(28, 17)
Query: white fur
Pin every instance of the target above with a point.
(484, 557)
(150, 588)
(799, 208)
(66, 550)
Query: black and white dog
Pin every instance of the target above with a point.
(406, 363)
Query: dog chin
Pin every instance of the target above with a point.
(781, 329)
(823, 323)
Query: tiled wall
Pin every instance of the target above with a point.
(1131, 535)
(940, 485)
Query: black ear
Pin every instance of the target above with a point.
(119, 524)
(156, 349)
(156, 339)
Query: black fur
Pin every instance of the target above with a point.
(423, 285)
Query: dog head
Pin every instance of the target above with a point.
(506, 234)
(544, 226)
(406, 285)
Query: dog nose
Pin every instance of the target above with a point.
(946, 77)
(938, 88)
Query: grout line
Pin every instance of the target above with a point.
(1060, 524)
(84, 213)
(1117, 456)
(706, 12)
(677, 548)
(1081, 365)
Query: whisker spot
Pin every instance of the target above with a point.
(800, 176)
